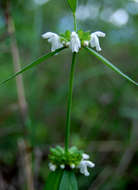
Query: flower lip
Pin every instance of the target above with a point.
(85, 156)
(62, 166)
(52, 167)
(72, 166)
(99, 34)
(75, 43)
(94, 41)
(73, 34)
(49, 35)
(86, 43)
(54, 39)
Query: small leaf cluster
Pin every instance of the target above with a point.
(58, 156)
(66, 36)
(83, 36)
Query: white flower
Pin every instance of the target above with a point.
(75, 43)
(86, 43)
(62, 166)
(54, 39)
(72, 166)
(94, 42)
(85, 156)
(83, 166)
(67, 44)
(52, 167)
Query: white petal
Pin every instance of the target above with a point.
(100, 34)
(94, 42)
(97, 44)
(86, 173)
(75, 43)
(67, 44)
(90, 164)
(52, 167)
(54, 39)
(49, 35)
(62, 166)
(85, 156)
(83, 166)
(72, 166)
(82, 170)
(86, 43)
(55, 42)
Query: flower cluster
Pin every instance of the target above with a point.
(74, 40)
(73, 159)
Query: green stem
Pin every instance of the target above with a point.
(67, 134)
(75, 22)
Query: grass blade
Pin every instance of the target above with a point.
(53, 180)
(36, 62)
(110, 65)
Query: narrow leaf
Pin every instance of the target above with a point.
(73, 5)
(68, 181)
(38, 61)
(110, 65)
(53, 180)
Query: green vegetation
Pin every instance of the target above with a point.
(105, 107)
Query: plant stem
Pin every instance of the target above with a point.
(75, 22)
(71, 79)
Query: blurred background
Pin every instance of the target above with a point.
(105, 106)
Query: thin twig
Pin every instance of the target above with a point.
(26, 160)
(23, 107)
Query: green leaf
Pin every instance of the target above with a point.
(38, 61)
(68, 181)
(73, 4)
(66, 36)
(84, 36)
(53, 180)
(110, 65)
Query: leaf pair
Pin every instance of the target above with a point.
(44, 57)
(61, 180)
